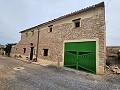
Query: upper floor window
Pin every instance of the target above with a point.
(76, 23)
(32, 32)
(50, 28)
(24, 50)
(26, 34)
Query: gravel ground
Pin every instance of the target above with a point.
(36, 77)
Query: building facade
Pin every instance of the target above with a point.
(49, 41)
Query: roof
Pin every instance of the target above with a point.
(68, 15)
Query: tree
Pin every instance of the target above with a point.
(7, 49)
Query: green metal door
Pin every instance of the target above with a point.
(80, 55)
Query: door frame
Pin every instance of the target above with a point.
(84, 40)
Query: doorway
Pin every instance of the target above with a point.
(31, 53)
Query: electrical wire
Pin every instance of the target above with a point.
(108, 3)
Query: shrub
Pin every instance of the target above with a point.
(108, 62)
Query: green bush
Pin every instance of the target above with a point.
(108, 62)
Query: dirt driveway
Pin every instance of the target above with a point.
(19, 75)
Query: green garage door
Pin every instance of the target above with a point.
(80, 55)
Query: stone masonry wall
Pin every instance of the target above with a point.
(91, 28)
(25, 42)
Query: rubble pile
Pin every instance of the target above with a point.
(114, 68)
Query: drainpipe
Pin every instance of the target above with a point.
(37, 43)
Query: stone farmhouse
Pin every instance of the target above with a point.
(76, 40)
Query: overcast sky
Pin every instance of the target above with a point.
(17, 15)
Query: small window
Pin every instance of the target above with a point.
(32, 32)
(50, 28)
(31, 44)
(76, 23)
(26, 34)
(45, 52)
(24, 50)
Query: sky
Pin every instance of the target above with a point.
(18, 15)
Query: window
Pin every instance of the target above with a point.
(26, 34)
(50, 28)
(76, 23)
(24, 50)
(45, 52)
(32, 32)
(31, 44)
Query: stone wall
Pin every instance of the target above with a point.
(91, 28)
